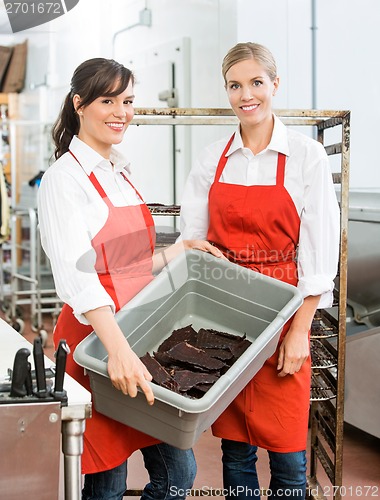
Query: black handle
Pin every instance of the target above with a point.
(20, 385)
(61, 355)
(28, 380)
(39, 366)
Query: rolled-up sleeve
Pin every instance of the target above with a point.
(318, 250)
(66, 240)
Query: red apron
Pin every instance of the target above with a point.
(124, 248)
(258, 227)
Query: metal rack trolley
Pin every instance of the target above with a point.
(328, 359)
(28, 277)
(29, 266)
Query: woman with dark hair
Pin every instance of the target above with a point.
(100, 237)
(264, 196)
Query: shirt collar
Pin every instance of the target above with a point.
(278, 143)
(90, 159)
(279, 139)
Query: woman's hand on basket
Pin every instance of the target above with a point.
(204, 246)
(163, 257)
(293, 352)
(295, 349)
(127, 372)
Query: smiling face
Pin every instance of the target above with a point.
(250, 91)
(104, 121)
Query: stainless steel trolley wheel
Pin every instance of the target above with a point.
(44, 336)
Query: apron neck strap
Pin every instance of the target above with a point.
(92, 178)
(281, 160)
(132, 186)
(223, 159)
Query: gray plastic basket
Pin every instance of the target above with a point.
(199, 289)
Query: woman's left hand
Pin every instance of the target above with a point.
(204, 246)
(294, 351)
(161, 259)
(295, 348)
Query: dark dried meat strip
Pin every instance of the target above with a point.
(231, 336)
(238, 349)
(158, 372)
(203, 388)
(212, 339)
(187, 379)
(191, 362)
(171, 385)
(163, 359)
(185, 334)
(222, 354)
(186, 353)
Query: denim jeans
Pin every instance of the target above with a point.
(171, 473)
(288, 473)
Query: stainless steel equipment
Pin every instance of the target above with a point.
(72, 418)
(30, 437)
(362, 397)
(363, 281)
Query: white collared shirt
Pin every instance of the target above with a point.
(71, 212)
(308, 181)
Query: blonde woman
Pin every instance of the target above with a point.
(265, 198)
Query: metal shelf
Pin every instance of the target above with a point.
(321, 357)
(321, 389)
(159, 209)
(322, 328)
(327, 387)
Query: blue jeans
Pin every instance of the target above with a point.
(171, 472)
(288, 473)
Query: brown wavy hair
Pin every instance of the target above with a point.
(93, 78)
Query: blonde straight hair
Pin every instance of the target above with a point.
(250, 50)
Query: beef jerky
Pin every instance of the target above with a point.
(192, 362)
(190, 355)
(238, 349)
(222, 354)
(211, 339)
(160, 376)
(187, 379)
(171, 385)
(163, 359)
(203, 388)
(186, 334)
(197, 392)
(230, 336)
(158, 372)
